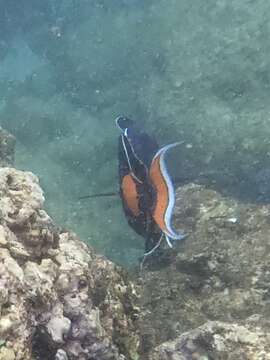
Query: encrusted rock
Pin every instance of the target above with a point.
(58, 328)
(217, 341)
(61, 355)
(219, 272)
(6, 354)
(58, 299)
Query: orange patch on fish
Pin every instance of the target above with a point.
(162, 193)
(130, 194)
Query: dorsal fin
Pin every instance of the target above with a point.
(165, 197)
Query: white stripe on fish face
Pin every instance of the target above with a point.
(126, 135)
(117, 123)
(128, 159)
(124, 132)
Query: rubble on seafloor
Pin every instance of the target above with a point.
(206, 299)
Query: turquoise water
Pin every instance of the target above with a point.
(197, 72)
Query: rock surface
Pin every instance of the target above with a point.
(7, 145)
(219, 273)
(58, 299)
(218, 341)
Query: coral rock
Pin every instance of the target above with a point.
(217, 340)
(220, 272)
(58, 299)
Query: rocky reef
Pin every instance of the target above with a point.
(220, 273)
(58, 299)
(218, 341)
(206, 299)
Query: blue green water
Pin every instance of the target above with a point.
(197, 72)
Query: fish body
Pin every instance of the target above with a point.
(146, 188)
(136, 193)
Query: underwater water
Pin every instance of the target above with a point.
(195, 72)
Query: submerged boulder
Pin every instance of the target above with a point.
(58, 299)
(220, 272)
(218, 341)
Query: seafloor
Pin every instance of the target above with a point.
(196, 72)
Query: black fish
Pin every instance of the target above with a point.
(146, 189)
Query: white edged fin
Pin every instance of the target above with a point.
(168, 241)
(180, 237)
(117, 123)
(169, 232)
